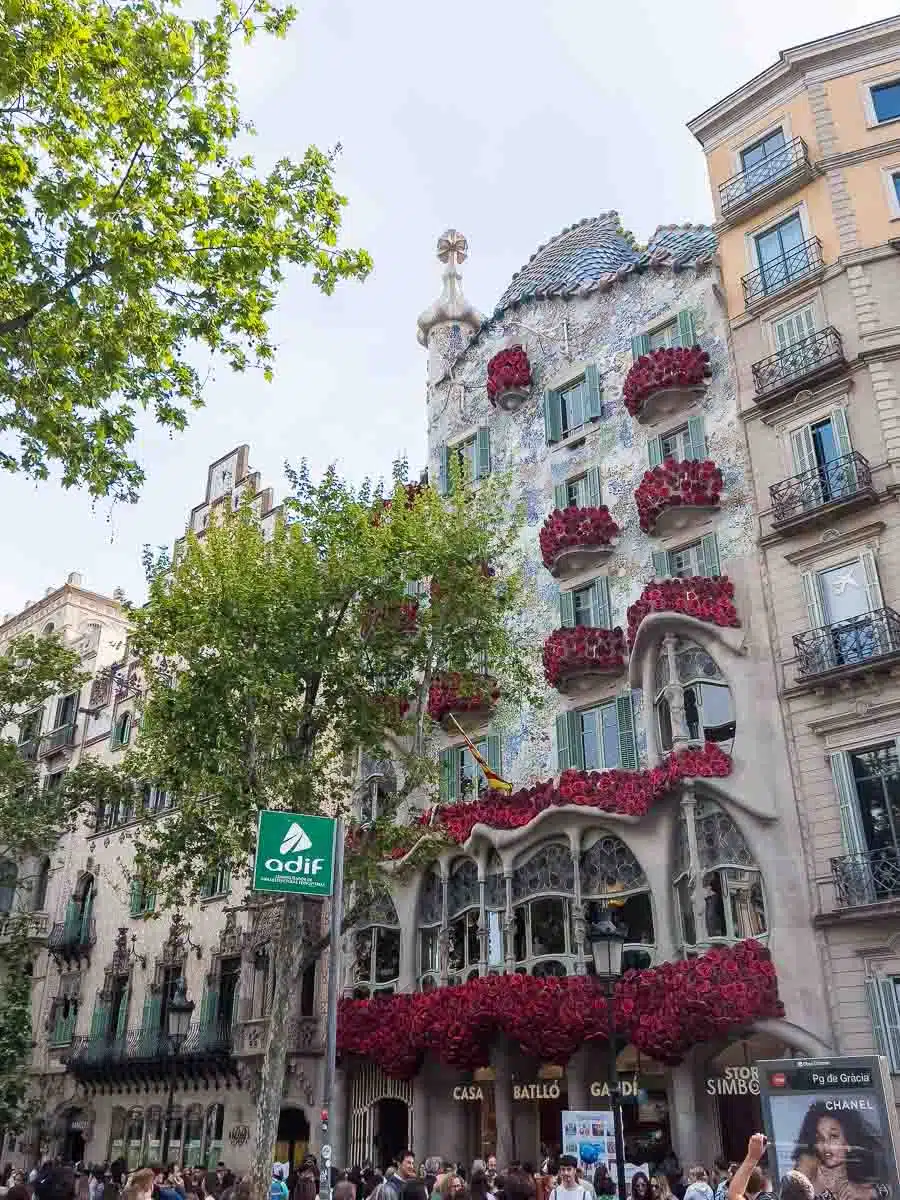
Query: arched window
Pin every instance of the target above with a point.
(612, 877)
(122, 730)
(542, 891)
(153, 1133)
(431, 909)
(118, 1120)
(463, 910)
(494, 912)
(212, 1135)
(726, 902)
(8, 877)
(262, 984)
(48, 629)
(692, 698)
(41, 882)
(376, 951)
(193, 1136)
(135, 1137)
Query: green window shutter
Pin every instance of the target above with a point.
(552, 416)
(87, 915)
(492, 753)
(209, 1006)
(640, 344)
(236, 1002)
(813, 597)
(569, 743)
(696, 438)
(136, 898)
(99, 1020)
(602, 603)
(852, 831)
(593, 404)
(891, 1016)
(592, 484)
(449, 777)
(567, 610)
(482, 452)
(687, 335)
(709, 551)
(873, 587)
(660, 564)
(654, 451)
(72, 919)
(560, 496)
(444, 469)
(628, 755)
(122, 1020)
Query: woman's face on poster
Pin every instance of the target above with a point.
(831, 1144)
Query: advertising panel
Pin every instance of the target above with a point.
(590, 1136)
(834, 1120)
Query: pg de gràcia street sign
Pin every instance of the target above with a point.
(294, 853)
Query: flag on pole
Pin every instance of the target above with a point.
(494, 782)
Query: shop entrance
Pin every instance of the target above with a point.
(739, 1117)
(73, 1146)
(391, 1130)
(292, 1140)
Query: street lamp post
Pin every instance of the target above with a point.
(178, 1023)
(607, 943)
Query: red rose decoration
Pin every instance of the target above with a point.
(568, 528)
(582, 649)
(508, 371)
(691, 482)
(663, 369)
(710, 600)
(456, 692)
(662, 1010)
(628, 793)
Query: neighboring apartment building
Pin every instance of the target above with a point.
(804, 163)
(108, 964)
(716, 860)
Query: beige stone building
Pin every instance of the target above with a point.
(804, 164)
(107, 963)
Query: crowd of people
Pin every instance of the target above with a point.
(437, 1179)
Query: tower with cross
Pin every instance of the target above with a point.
(447, 326)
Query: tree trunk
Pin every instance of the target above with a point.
(288, 956)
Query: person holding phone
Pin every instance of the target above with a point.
(750, 1180)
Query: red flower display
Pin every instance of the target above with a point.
(400, 616)
(710, 600)
(628, 793)
(575, 528)
(582, 649)
(690, 483)
(394, 707)
(455, 692)
(661, 370)
(411, 492)
(663, 1011)
(508, 371)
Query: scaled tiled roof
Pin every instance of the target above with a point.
(595, 252)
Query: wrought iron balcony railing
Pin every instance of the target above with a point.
(149, 1051)
(57, 739)
(866, 878)
(845, 477)
(791, 364)
(736, 191)
(849, 643)
(72, 938)
(780, 272)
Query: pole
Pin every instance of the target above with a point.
(170, 1107)
(334, 975)
(614, 1098)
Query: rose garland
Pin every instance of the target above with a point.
(663, 1011)
(508, 370)
(691, 482)
(567, 651)
(457, 692)
(710, 600)
(660, 369)
(400, 616)
(568, 528)
(628, 793)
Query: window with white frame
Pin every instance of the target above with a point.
(782, 254)
(696, 558)
(883, 997)
(572, 406)
(461, 775)
(686, 442)
(867, 784)
(703, 710)
(846, 601)
(895, 180)
(794, 328)
(765, 160)
(376, 950)
(885, 99)
(590, 605)
(665, 337)
(822, 456)
(581, 492)
(600, 738)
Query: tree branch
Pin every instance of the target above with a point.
(15, 324)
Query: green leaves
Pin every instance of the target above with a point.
(271, 660)
(130, 230)
(15, 1027)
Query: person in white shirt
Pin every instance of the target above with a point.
(568, 1187)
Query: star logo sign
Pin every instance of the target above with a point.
(296, 839)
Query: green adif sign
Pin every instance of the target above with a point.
(294, 853)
